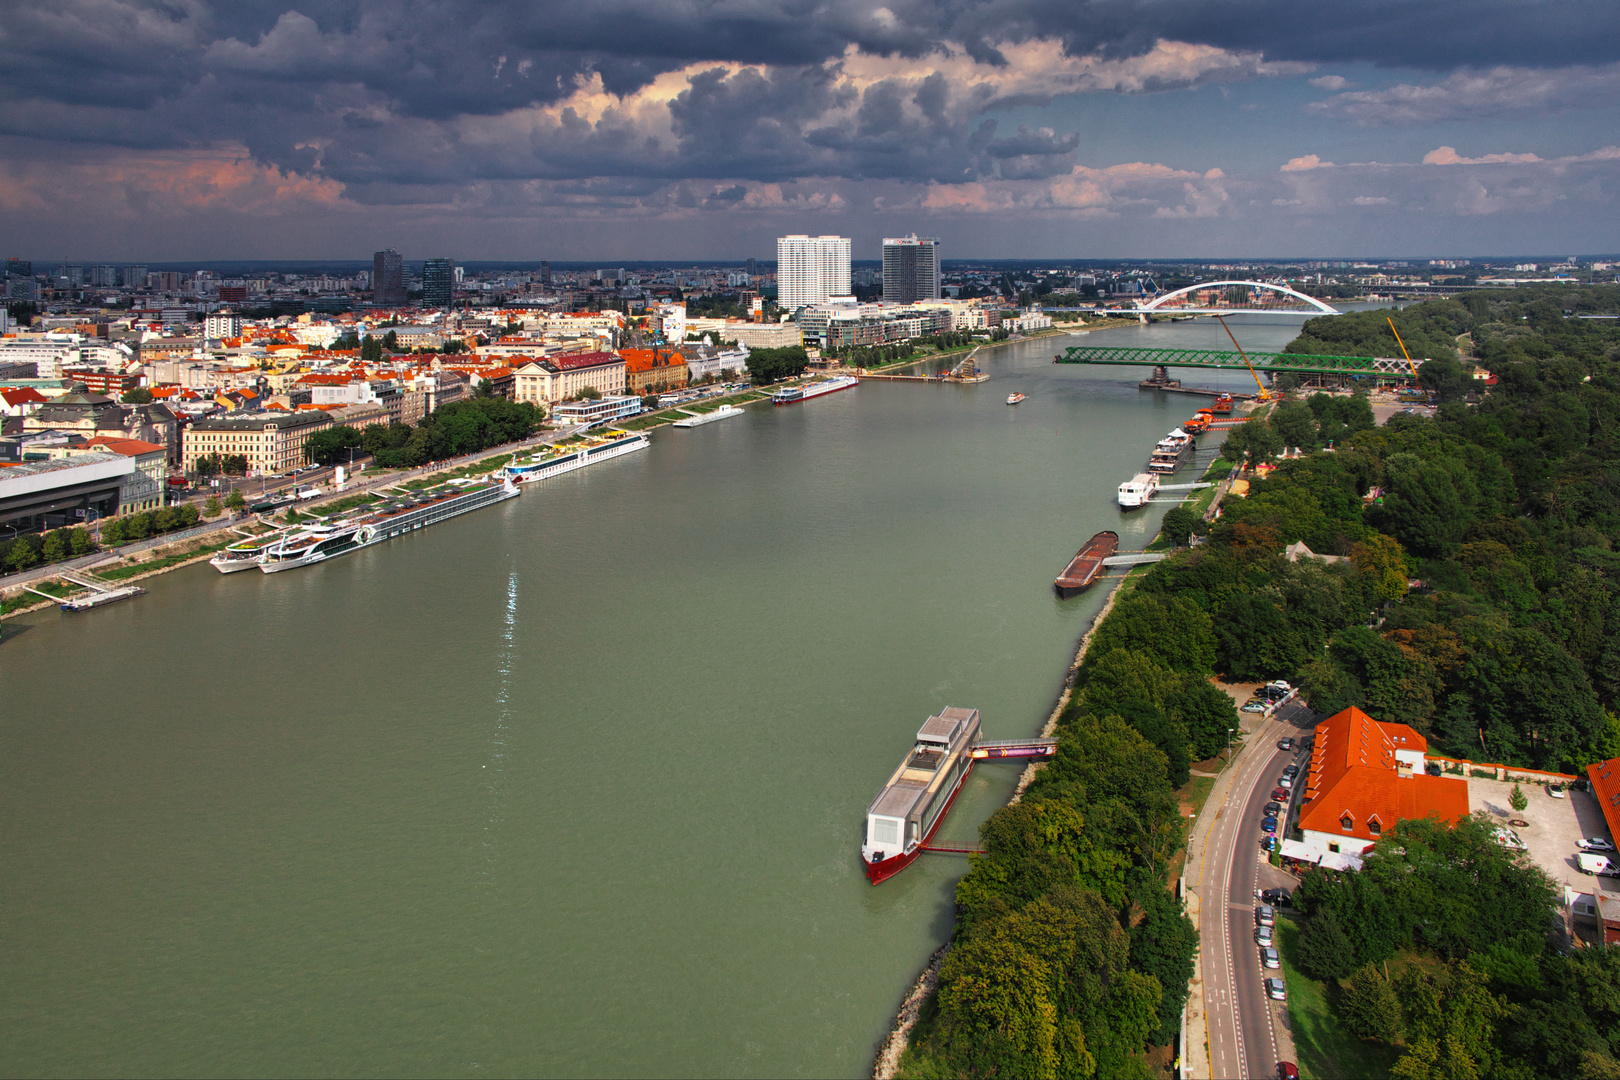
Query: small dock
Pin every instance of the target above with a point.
(99, 593)
(965, 372)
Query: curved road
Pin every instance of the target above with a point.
(1247, 1033)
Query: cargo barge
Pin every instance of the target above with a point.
(902, 820)
(724, 412)
(317, 543)
(1087, 564)
(792, 395)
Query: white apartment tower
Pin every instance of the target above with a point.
(811, 269)
(910, 269)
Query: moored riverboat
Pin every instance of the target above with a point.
(903, 818)
(556, 460)
(1171, 453)
(793, 395)
(1087, 564)
(244, 554)
(1136, 491)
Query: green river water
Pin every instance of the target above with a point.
(570, 786)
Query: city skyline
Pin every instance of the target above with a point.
(1017, 128)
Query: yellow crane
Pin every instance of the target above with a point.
(1264, 394)
(1402, 344)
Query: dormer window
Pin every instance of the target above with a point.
(1347, 823)
(1374, 826)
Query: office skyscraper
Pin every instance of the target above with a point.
(753, 268)
(910, 269)
(387, 278)
(545, 274)
(810, 269)
(438, 283)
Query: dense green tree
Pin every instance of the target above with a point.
(773, 365)
(331, 446)
(1445, 377)
(1163, 944)
(1251, 441)
(1324, 951)
(1206, 713)
(1295, 424)
(1369, 1006)
(1178, 525)
(371, 350)
(79, 542)
(1173, 632)
(138, 395)
(211, 509)
(235, 502)
(53, 546)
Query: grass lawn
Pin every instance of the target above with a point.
(1196, 792)
(129, 570)
(1327, 1049)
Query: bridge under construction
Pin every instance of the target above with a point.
(1233, 360)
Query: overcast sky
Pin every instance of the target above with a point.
(691, 129)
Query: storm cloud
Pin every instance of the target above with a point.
(736, 107)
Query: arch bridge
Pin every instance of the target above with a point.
(1277, 300)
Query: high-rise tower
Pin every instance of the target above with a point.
(810, 269)
(387, 278)
(910, 269)
(438, 283)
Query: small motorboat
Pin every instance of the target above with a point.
(1013, 399)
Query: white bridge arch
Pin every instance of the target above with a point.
(1157, 302)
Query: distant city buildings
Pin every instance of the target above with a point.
(910, 269)
(438, 283)
(811, 269)
(387, 278)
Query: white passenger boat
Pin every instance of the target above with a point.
(244, 554)
(317, 543)
(722, 413)
(792, 395)
(556, 460)
(1138, 490)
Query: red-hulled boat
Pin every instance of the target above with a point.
(1086, 564)
(904, 816)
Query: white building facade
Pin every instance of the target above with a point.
(811, 269)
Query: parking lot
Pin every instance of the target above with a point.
(1555, 825)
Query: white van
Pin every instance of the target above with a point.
(1594, 864)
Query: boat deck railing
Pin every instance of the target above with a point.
(994, 749)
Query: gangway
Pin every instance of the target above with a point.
(1000, 749)
(1183, 487)
(1137, 559)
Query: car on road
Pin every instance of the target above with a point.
(1265, 915)
(1285, 744)
(1276, 897)
(1256, 706)
(1279, 795)
(1594, 843)
(1291, 772)
(1287, 1070)
(1276, 990)
(1270, 958)
(1262, 935)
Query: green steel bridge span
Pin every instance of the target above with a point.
(1232, 360)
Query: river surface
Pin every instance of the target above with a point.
(570, 786)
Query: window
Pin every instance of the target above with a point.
(1347, 823)
(885, 831)
(1333, 848)
(1375, 827)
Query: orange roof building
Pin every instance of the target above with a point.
(1364, 776)
(1605, 778)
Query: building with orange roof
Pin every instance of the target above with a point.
(1605, 778)
(1364, 776)
(648, 371)
(144, 490)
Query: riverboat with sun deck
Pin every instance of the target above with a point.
(591, 450)
(397, 516)
(902, 819)
(793, 395)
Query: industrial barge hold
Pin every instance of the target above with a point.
(902, 820)
(1086, 564)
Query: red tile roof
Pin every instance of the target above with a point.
(576, 361)
(1605, 777)
(1352, 772)
(126, 447)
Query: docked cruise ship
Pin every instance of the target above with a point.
(1172, 452)
(792, 395)
(556, 460)
(317, 543)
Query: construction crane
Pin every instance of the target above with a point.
(1264, 394)
(1402, 344)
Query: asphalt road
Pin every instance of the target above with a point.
(1243, 1023)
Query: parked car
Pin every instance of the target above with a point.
(1276, 990)
(1280, 795)
(1270, 958)
(1269, 843)
(1262, 935)
(1287, 1070)
(1291, 772)
(1269, 826)
(1256, 706)
(1276, 897)
(1594, 843)
(1265, 915)
(1556, 791)
(1273, 809)
(1285, 744)
(1285, 782)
